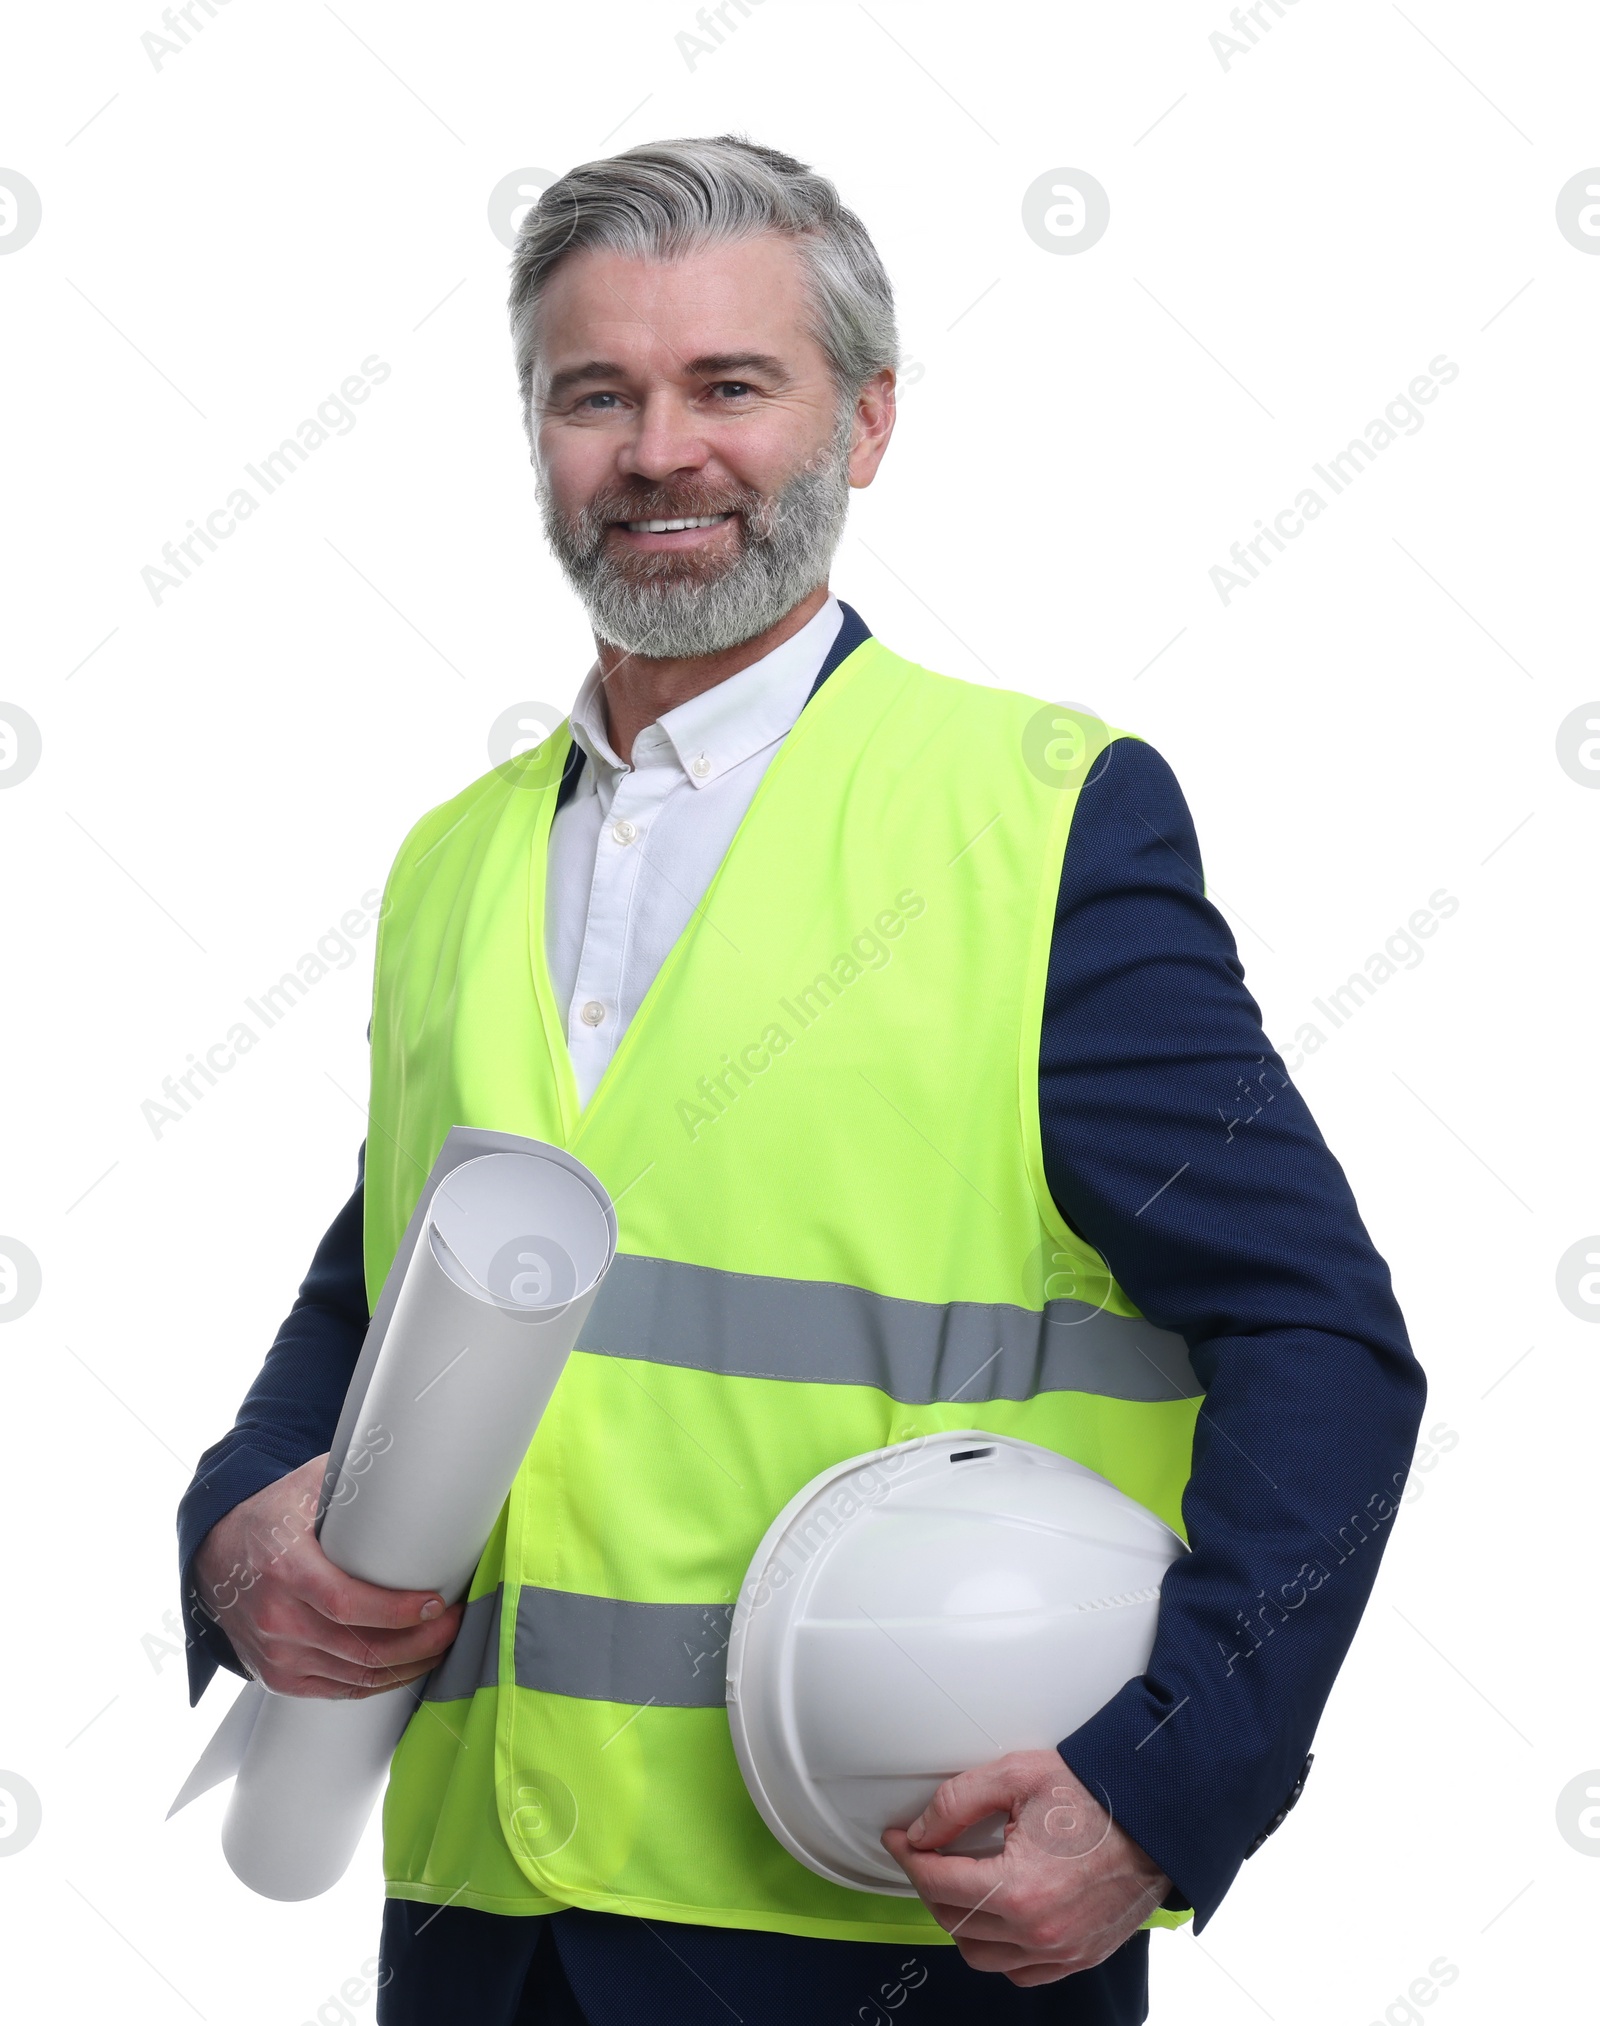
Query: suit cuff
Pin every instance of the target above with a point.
(1139, 1758)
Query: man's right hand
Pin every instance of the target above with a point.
(299, 1624)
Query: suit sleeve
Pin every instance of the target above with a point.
(1176, 1144)
(288, 1416)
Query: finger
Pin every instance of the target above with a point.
(326, 1687)
(291, 1639)
(964, 1800)
(283, 1662)
(975, 1923)
(984, 1927)
(425, 1643)
(379, 1680)
(959, 1881)
(349, 1601)
(1002, 1957)
(366, 1676)
(342, 1677)
(288, 1630)
(368, 1670)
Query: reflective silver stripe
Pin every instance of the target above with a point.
(605, 1650)
(600, 1649)
(759, 1327)
(470, 1663)
(755, 1326)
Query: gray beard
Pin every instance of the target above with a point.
(667, 607)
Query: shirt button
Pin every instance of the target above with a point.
(623, 831)
(592, 1014)
(700, 766)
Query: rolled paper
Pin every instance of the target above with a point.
(500, 1267)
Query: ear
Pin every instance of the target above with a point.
(874, 425)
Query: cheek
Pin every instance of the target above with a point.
(573, 467)
(776, 446)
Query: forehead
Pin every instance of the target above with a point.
(651, 315)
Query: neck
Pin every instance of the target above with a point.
(637, 688)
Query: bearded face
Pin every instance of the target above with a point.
(670, 598)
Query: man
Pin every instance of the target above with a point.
(882, 1003)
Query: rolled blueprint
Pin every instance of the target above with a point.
(499, 1269)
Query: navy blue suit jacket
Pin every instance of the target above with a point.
(1176, 1144)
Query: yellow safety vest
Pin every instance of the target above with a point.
(821, 1134)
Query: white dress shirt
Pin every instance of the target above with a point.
(633, 851)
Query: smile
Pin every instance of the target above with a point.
(674, 526)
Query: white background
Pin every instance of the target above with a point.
(1293, 238)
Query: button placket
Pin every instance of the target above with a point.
(594, 1022)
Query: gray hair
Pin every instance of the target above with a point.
(663, 199)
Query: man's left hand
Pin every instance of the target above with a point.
(1067, 1890)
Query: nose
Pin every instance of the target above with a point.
(667, 439)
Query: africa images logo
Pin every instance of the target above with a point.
(1403, 416)
(869, 950)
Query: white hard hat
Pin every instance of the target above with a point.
(919, 1611)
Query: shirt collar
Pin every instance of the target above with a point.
(725, 724)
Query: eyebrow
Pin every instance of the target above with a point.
(710, 366)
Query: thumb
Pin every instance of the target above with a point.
(349, 1601)
(963, 1800)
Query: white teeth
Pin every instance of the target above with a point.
(667, 527)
